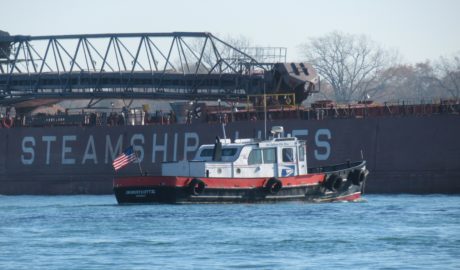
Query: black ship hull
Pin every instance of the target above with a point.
(406, 154)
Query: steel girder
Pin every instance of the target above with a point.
(143, 65)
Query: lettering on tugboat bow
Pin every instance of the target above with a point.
(155, 148)
(140, 192)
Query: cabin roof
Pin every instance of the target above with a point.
(284, 141)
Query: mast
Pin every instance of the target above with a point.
(265, 114)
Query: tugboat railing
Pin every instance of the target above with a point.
(337, 167)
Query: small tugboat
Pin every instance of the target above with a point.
(246, 171)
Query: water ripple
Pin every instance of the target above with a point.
(93, 232)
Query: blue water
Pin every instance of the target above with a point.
(93, 232)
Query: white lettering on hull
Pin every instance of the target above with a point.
(138, 148)
(67, 149)
(175, 147)
(190, 148)
(109, 148)
(90, 151)
(323, 144)
(299, 132)
(48, 140)
(28, 140)
(161, 146)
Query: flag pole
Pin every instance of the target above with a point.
(138, 162)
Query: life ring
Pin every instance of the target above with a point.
(7, 122)
(273, 185)
(196, 187)
(334, 182)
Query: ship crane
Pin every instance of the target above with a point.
(177, 65)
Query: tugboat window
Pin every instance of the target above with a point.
(269, 155)
(229, 152)
(288, 155)
(206, 152)
(226, 152)
(302, 153)
(255, 157)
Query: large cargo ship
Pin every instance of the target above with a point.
(408, 148)
(413, 154)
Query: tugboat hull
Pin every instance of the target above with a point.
(139, 195)
(315, 187)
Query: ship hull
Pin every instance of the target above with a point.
(406, 154)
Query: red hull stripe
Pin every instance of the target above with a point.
(350, 197)
(179, 181)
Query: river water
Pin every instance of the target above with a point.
(93, 232)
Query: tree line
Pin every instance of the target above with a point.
(355, 68)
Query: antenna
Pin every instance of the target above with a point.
(222, 121)
(265, 114)
(223, 130)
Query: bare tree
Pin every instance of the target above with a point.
(239, 42)
(351, 64)
(448, 71)
(410, 82)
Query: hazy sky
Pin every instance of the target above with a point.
(418, 29)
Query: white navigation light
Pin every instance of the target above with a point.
(277, 129)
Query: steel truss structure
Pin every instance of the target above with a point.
(178, 65)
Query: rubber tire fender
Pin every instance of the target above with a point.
(334, 182)
(338, 183)
(273, 186)
(196, 187)
(355, 176)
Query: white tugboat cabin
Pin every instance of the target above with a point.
(245, 158)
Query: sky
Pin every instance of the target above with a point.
(419, 30)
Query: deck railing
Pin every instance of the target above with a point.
(315, 112)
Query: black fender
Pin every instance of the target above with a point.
(273, 185)
(355, 177)
(334, 182)
(196, 187)
(358, 176)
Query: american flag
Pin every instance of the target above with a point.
(124, 158)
